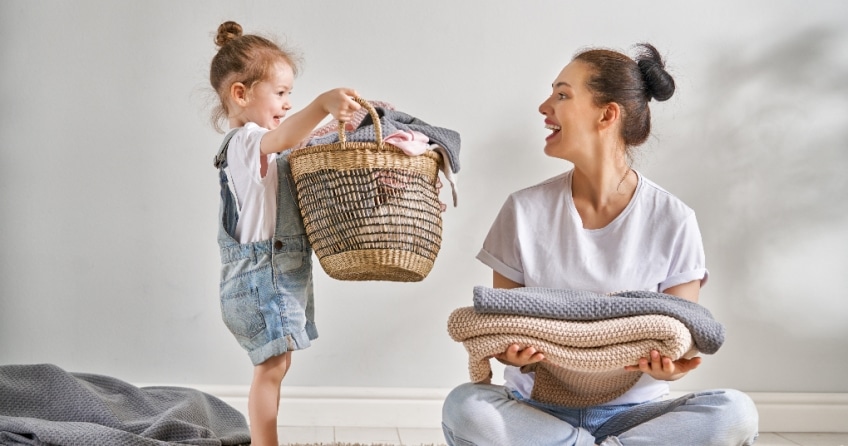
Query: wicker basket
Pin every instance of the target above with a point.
(371, 212)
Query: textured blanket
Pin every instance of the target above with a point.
(576, 305)
(584, 361)
(44, 405)
(392, 121)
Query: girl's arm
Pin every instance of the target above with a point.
(297, 127)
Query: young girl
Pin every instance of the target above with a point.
(266, 277)
(601, 227)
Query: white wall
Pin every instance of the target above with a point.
(108, 199)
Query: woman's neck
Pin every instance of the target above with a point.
(601, 192)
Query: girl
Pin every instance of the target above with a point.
(601, 227)
(266, 277)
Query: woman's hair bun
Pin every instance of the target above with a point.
(227, 31)
(659, 84)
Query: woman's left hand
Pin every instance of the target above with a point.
(663, 368)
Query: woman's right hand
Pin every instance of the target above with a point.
(519, 357)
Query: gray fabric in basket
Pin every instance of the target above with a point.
(392, 121)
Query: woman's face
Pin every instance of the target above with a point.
(571, 114)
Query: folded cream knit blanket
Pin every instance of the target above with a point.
(584, 361)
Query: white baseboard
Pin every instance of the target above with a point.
(421, 407)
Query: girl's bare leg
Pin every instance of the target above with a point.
(263, 401)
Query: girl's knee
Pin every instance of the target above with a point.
(274, 368)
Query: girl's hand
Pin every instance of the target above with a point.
(339, 103)
(518, 357)
(664, 368)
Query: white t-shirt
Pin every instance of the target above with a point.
(538, 240)
(256, 194)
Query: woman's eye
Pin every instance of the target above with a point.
(562, 96)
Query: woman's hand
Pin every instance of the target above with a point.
(518, 357)
(664, 368)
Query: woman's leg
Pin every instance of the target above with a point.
(718, 417)
(488, 415)
(263, 401)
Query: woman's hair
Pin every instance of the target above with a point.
(630, 83)
(242, 58)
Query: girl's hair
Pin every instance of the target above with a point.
(630, 83)
(242, 58)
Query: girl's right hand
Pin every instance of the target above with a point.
(518, 357)
(339, 103)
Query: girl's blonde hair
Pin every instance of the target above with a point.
(242, 58)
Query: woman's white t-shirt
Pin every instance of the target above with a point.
(256, 194)
(538, 240)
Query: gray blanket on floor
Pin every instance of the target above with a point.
(576, 305)
(44, 405)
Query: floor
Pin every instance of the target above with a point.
(419, 437)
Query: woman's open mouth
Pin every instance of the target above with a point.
(553, 128)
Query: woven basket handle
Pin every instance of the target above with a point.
(378, 131)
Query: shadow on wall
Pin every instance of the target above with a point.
(772, 149)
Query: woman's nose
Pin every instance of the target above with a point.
(543, 107)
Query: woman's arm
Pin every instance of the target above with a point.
(515, 355)
(499, 281)
(688, 291)
(663, 368)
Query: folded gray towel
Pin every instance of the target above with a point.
(577, 305)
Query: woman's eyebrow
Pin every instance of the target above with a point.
(561, 84)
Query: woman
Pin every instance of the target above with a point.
(601, 227)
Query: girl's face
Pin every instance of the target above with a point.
(268, 100)
(571, 114)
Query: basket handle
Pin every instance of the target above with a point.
(378, 131)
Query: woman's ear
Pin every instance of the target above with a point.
(238, 94)
(610, 114)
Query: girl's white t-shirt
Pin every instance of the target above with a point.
(538, 240)
(256, 195)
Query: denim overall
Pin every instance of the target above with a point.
(266, 286)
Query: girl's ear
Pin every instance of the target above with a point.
(238, 94)
(610, 114)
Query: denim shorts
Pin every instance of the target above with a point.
(266, 287)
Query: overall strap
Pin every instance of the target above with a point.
(220, 159)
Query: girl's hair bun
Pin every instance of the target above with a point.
(659, 84)
(227, 31)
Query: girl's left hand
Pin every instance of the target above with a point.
(664, 368)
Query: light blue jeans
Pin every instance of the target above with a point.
(266, 287)
(491, 415)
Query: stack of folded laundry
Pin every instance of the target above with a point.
(587, 338)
